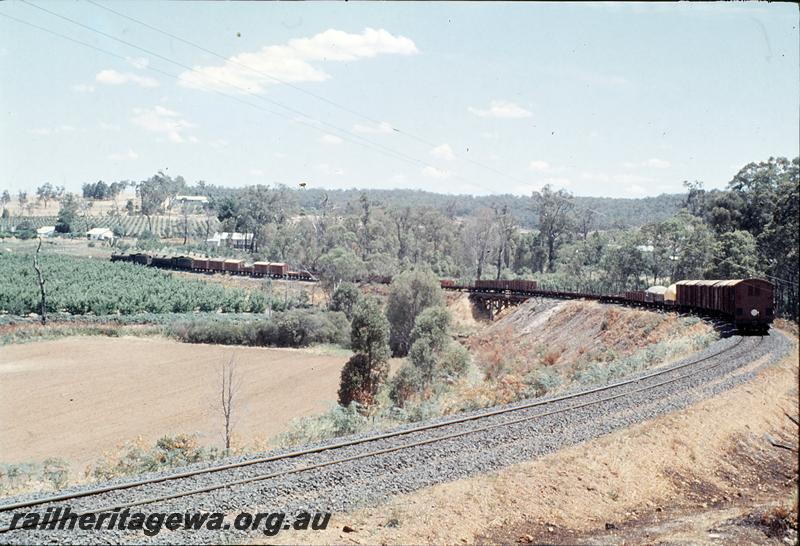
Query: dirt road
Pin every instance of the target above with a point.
(78, 397)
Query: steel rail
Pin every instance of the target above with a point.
(393, 449)
(348, 443)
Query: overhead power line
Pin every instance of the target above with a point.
(301, 90)
(345, 135)
(343, 132)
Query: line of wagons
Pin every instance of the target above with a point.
(747, 303)
(230, 266)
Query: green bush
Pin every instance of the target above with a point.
(410, 293)
(454, 362)
(367, 370)
(56, 471)
(337, 421)
(168, 452)
(25, 231)
(293, 328)
(345, 298)
(405, 384)
(28, 476)
(541, 382)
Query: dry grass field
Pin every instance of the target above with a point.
(79, 397)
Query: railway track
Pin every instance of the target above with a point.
(361, 449)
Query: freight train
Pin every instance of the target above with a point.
(274, 270)
(747, 303)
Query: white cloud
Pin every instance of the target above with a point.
(634, 184)
(256, 172)
(444, 151)
(330, 139)
(126, 156)
(47, 131)
(502, 109)
(112, 77)
(108, 126)
(490, 136)
(382, 127)
(657, 163)
(326, 169)
(595, 177)
(654, 163)
(83, 88)
(219, 143)
(543, 167)
(251, 72)
(162, 120)
(631, 179)
(540, 166)
(138, 62)
(433, 172)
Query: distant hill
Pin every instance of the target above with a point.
(609, 212)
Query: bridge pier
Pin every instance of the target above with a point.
(492, 303)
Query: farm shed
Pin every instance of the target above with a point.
(46, 231)
(234, 239)
(100, 234)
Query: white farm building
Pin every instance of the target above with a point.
(100, 234)
(235, 239)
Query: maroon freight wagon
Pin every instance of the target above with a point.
(749, 303)
(216, 264)
(233, 266)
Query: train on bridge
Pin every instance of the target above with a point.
(747, 303)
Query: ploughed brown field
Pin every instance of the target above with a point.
(79, 397)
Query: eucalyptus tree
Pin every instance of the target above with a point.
(555, 211)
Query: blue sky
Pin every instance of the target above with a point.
(601, 99)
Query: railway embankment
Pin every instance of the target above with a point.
(545, 346)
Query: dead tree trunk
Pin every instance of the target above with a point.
(229, 394)
(41, 281)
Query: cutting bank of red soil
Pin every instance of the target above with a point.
(562, 335)
(76, 398)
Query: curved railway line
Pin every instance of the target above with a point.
(731, 353)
